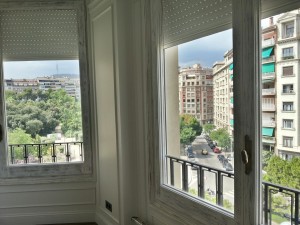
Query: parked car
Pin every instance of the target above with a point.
(211, 145)
(216, 150)
(229, 167)
(191, 155)
(221, 158)
(225, 162)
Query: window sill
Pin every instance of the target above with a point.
(288, 93)
(291, 129)
(291, 111)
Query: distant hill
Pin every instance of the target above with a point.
(65, 75)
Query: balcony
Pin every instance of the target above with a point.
(268, 123)
(269, 59)
(270, 75)
(268, 43)
(269, 91)
(268, 107)
(269, 140)
(220, 177)
(46, 153)
(285, 57)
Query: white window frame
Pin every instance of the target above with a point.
(286, 122)
(57, 171)
(174, 207)
(286, 27)
(287, 141)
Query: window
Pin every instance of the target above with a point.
(288, 30)
(288, 124)
(287, 142)
(287, 88)
(287, 70)
(288, 53)
(44, 107)
(172, 187)
(288, 106)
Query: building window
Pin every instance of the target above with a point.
(288, 53)
(288, 124)
(288, 30)
(287, 88)
(287, 71)
(288, 106)
(287, 142)
(54, 139)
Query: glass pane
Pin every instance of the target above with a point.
(280, 119)
(43, 111)
(199, 118)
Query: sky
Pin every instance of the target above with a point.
(209, 49)
(33, 69)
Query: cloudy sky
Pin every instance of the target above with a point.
(32, 69)
(206, 50)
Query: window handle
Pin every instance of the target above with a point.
(246, 154)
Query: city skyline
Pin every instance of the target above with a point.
(33, 69)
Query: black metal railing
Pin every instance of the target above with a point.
(45, 152)
(290, 195)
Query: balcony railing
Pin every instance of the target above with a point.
(269, 91)
(269, 59)
(268, 107)
(267, 43)
(269, 190)
(270, 75)
(268, 123)
(45, 153)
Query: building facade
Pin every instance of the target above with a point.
(196, 93)
(288, 115)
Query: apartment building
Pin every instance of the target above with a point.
(288, 116)
(19, 85)
(223, 93)
(196, 93)
(269, 78)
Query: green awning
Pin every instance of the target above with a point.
(266, 131)
(231, 77)
(267, 52)
(231, 100)
(268, 68)
(231, 66)
(231, 122)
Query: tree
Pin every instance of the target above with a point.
(283, 172)
(187, 135)
(33, 127)
(208, 128)
(189, 129)
(19, 136)
(221, 136)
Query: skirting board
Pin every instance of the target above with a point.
(49, 218)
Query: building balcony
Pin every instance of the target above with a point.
(270, 75)
(268, 107)
(269, 140)
(268, 91)
(46, 153)
(268, 43)
(286, 57)
(269, 59)
(268, 123)
(268, 190)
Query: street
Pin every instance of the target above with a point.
(210, 178)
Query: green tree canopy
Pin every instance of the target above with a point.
(283, 172)
(189, 128)
(208, 128)
(221, 136)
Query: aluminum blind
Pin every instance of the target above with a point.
(39, 34)
(185, 20)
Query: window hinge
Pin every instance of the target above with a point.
(246, 154)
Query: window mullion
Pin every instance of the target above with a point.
(247, 91)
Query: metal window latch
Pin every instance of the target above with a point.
(246, 154)
(137, 220)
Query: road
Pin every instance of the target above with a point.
(210, 160)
